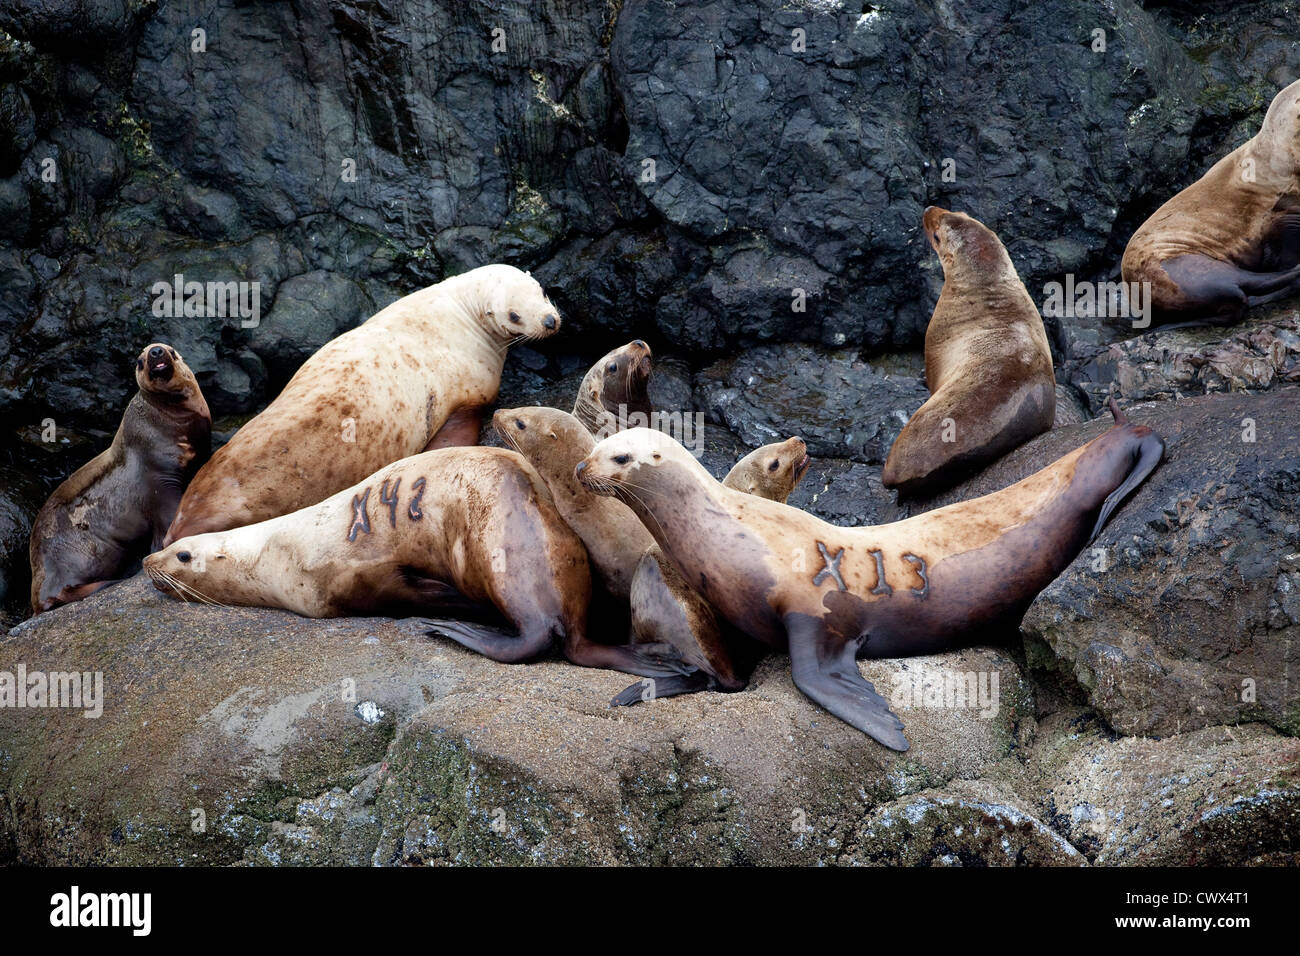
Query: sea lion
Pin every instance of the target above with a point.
(415, 376)
(118, 505)
(1231, 239)
(614, 389)
(830, 595)
(464, 530)
(667, 610)
(987, 364)
(554, 442)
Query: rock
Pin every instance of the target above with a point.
(21, 496)
(842, 407)
(1221, 796)
(1184, 613)
(1260, 354)
(309, 310)
(363, 741)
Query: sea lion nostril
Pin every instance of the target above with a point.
(581, 466)
(549, 321)
(514, 317)
(156, 352)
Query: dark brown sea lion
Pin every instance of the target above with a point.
(614, 390)
(831, 595)
(464, 530)
(1231, 239)
(415, 376)
(115, 508)
(667, 610)
(987, 364)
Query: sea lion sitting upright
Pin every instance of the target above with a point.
(614, 389)
(1231, 239)
(831, 595)
(415, 376)
(117, 506)
(667, 610)
(466, 530)
(554, 442)
(987, 364)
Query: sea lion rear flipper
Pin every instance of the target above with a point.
(494, 642)
(829, 675)
(1147, 455)
(661, 687)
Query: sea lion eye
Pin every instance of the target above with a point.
(173, 351)
(622, 459)
(183, 557)
(519, 423)
(613, 367)
(776, 463)
(139, 363)
(514, 317)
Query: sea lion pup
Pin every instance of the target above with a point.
(117, 506)
(987, 364)
(666, 610)
(415, 376)
(465, 530)
(830, 595)
(1231, 239)
(554, 442)
(614, 389)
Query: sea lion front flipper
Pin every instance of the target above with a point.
(661, 687)
(826, 669)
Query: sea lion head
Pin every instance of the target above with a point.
(160, 371)
(634, 463)
(969, 250)
(1281, 127)
(206, 568)
(616, 385)
(772, 471)
(516, 305)
(552, 440)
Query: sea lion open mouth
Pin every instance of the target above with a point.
(161, 367)
(800, 467)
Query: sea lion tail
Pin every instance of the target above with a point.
(1150, 449)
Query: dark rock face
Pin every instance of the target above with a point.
(741, 185)
(1184, 613)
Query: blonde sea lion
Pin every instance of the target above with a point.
(116, 507)
(1230, 240)
(987, 364)
(830, 595)
(415, 376)
(614, 389)
(462, 530)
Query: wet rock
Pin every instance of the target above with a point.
(309, 310)
(1183, 613)
(841, 406)
(1260, 354)
(21, 496)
